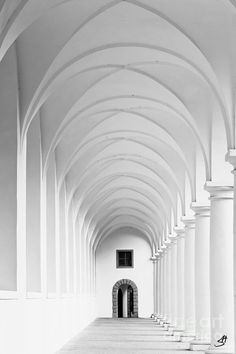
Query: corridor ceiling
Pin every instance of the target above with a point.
(126, 93)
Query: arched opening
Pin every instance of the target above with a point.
(130, 301)
(120, 303)
(125, 299)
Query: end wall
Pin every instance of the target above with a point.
(107, 274)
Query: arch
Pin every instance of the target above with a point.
(115, 290)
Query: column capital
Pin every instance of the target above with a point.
(189, 222)
(180, 232)
(153, 259)
(167, 243)
(173, 238)
(163, 249)
(219, 191)
(201, 210)
(231, 158)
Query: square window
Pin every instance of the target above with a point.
(124, 258)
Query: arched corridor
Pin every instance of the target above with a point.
(117, 179)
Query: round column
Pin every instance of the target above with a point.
(173, 285)
(157, 284)
(189, 279)
(231, 158)
(180, 234)
(221, 266)
(168, 283)
(154, 262)
(202, 277)
(164, 284)
(161, 285)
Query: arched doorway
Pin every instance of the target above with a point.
(125, 299)
(120, 303)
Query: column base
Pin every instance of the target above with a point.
(178, 332)
(187, 337)
(166, 325)
(171, 329)
(196, 345)
(219, 351)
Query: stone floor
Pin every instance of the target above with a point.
(126, 336)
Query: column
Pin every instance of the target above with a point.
(161, 303)
(189, 282)
(163, 282)
(173, 283)
(221, 266)
(154, 262)
(166, 285)
(231, 158)
(168, 282)
(202, 277)
(158, 293)
(180, 234)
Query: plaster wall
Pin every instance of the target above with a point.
(8, 171)
(107, 274)
(42, 326)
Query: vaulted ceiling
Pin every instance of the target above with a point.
(131, 96)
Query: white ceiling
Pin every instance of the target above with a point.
(127, 92)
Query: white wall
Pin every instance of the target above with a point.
(42, 326)
(107, 274)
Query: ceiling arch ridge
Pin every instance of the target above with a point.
(70, 117)
(163, 159)
(27, 119)
(105, 202)
(98, 186)
(191, 177)
(156, 211)
(105, 195)
(147, 8)
(97, 241)
(132, 158)
(156, 229)
(232, 2)
(12, 19)
(193, 129)
(109, 162)
(109, 136)
(39, 101)
(122, 211)
(119, 220)
(77, 211)
(168, 20)
(96, 216)
(110, 227)
(139, 177)
(4, 31)
(225, 112)
(146, 118)
(141, 233)
(129, 212)
(73, 159)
